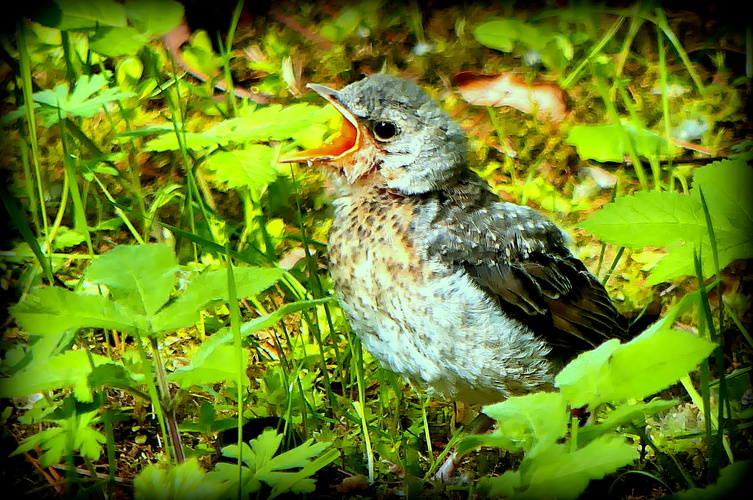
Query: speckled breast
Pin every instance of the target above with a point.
(419, 317)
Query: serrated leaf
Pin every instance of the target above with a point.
(581, 380)
(250, 167)
(536, 421)
(647, 364)
(673, 220)
(212, 287)
(140, 277)
(194, 141)
(71, 368)
(56, 310)
(60, 103)
(76, 433)
(728, 188)
(185, 481)
(564, 475)
(653, 219)
(263, 465)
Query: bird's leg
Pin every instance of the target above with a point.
(478, 425)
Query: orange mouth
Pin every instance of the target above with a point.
(340, 144)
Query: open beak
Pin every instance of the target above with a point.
(340, 144)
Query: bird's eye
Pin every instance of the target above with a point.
(384, 131)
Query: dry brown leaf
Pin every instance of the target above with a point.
(507, 89)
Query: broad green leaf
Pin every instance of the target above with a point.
(114, 42)
(502, 34)
(302, 122)
(728, 189)
(154, 17)
(581, 380)
(536, 421)
(251, 167)
(648, 218)
(647, 364)
(212, 287)
(138, 276)
(564, 475)
(499, 34)
(79, 14)
(185, 481)
(605, 143)
(110, 375)
(56, 310)
(71, 368)
(678, 222)
(210, 364)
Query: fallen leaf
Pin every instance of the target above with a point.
(507, 89)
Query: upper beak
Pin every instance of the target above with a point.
(339, 144)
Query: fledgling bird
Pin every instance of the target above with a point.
(465, 296)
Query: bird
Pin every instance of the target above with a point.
(468, 297)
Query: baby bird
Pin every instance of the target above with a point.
(467, 297)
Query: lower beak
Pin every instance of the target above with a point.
(339, 144)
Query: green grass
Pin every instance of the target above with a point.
(170, 277)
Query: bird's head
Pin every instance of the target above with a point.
(393, 134)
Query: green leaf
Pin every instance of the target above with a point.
(499, 34)
(193, 141)
(71, 368)
(564, 475)
(114, 42)
(154, 17)
(59, 102)
(606, 143)
(535, 421)
(76, 432)
(187, 480)
(581, 379)
(110, 375)
(673, 220)
(211, 363)
(263, 465)
(212, 287)
(728, 188)
(251, 167)
(647, 364)
(622, 415)
(56, 310)
(78, 14)
(649, 218)
(140, 277)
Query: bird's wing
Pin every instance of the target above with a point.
(520, 258)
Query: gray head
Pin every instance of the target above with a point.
(393, 133)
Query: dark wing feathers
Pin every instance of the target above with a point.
(521, 259)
